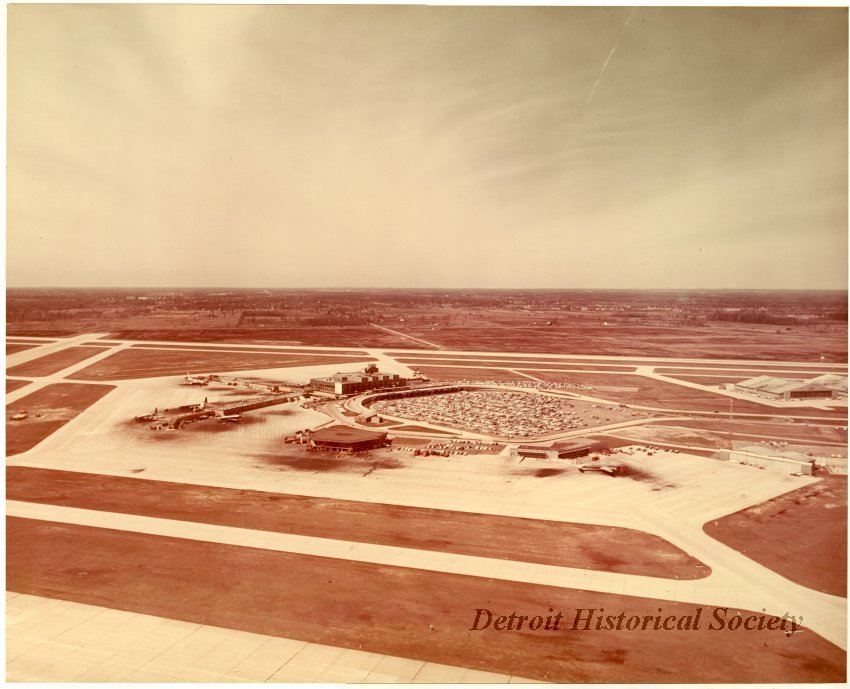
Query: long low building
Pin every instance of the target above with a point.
(783, 462)
(573, 449)
(353, 383)
(834, 382)
(792, 388)
(341, 437)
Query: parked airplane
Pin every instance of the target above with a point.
(153, 416)
(232, 418)
(192, 380)
(610, 469)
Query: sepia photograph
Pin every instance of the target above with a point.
(437, 344)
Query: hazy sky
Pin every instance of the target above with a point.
(355, 146)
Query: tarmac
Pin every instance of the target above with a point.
(54, 640)
(51, 640)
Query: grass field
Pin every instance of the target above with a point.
(515, 363)
(12, 385)
(49, 408)
(438, 373)
(250, 350)
(802, 535)
(717, 342)
(23, 330)
(317, 336)
(149, 363)
(786, 431)
(563, 544)
(15, 348)
(657, 393)
(18, 340)
(703, 379)
(638, 390)
(52, 363)
(789, 371)
(410, 613)
(422, 429)
(436, 358)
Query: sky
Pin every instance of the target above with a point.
(393, 146)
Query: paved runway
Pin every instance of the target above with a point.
(62, 641)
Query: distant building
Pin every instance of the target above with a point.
(354, 383)
(581, 447)
(341, 437)
(834, 382)
(789, 388)
(766, 458)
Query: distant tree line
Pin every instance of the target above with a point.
(767, 318)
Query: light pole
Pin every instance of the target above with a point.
(731, 407)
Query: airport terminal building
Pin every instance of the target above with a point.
(354, 383)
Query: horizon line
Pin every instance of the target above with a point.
(438, 288)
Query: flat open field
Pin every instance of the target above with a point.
(671, 437)
(15, 348)
(151, 363)
(779, 431)
(721, 341)
(422, 429)
(12, 385)
(51, 363)
(316, 336)
(437, 358)
(716, 342)
(438, 373)
(250, 350)
(802, 534)
(395, 610)
(22, 330)
(513, 363)
(18, 340)
(56, 404)
(703, 379)
(789, 371)
(657, 393)
(529, 540)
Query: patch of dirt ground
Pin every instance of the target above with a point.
(802, 535)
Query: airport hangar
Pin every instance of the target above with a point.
(822, 387)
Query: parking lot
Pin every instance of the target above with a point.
(505, 413)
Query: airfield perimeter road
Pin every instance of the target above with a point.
(90, 565)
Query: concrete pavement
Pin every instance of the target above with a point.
(687, 493)
(736, 581)
(52, 640)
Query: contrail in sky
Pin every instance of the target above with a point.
(611, 54)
